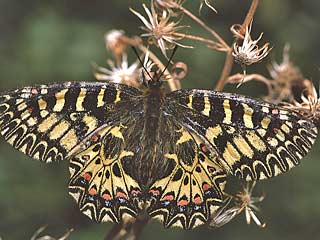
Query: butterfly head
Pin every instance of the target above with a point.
(154, 80)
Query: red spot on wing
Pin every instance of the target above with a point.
(106, 197)
(93, 191)
(168, 197)
(135, 192)
(154, 192)
(206, 187)
(86, 157)
(204, 148)
(197, 200)
(87, 176)
(95, 138)
(121, 195)
(34, 91)
(182, 202)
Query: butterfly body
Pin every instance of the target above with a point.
(164, 154)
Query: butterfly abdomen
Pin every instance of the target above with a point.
(150, 137)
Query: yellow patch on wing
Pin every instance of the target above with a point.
(227, 112)
(80, 99)
(91, 122)
(47, 123)
(213, 132)
(247, 116)
(60, 100)
(42, 104)
(69, 140)
(256, 141)
(265, 122)
(190, 101)
(207, 105)
(243, 146)
(115, 131)
(230, 154)
(100, 97)
(59, 130)
(118, 98)
(185, 136)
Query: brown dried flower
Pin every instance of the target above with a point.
(160, 28)
(310, 103)
(246, 203)
(249, 52)
(243, 201)
(287, 81)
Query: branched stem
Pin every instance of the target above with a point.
(211, 43)
(225, 71)
(201, 23)
(250, 14)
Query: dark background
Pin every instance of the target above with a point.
(49, 41)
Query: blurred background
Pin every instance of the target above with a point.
(54, 41)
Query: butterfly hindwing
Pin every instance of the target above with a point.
(192, 191)
(254, 140)
(46, 122)
(99, 184)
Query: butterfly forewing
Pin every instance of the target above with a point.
(253, 139)
(46, 122)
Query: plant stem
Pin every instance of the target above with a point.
(211, 43)
(250, 14)
(201, 23)
(225, 71)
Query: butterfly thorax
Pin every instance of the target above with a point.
(153, 103)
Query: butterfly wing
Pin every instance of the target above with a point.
(46, 122)
(81, 122)
(192, 190)
(100, 182)
(253, 140)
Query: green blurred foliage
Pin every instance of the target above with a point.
(50, 41)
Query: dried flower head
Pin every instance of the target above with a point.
(119, 73)
(247, 203)
(224, 214)
(161, 30)
(114, 41)
(309, 106)
(250, 52)
(287, 82)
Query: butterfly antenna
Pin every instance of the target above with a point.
(172, 55)
(138, 56)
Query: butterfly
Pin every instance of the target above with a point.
(164, 154)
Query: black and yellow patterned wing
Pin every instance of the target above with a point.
(80, 122)
(46, 122)
(99, 182)
(191, 190)
(252, 139)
